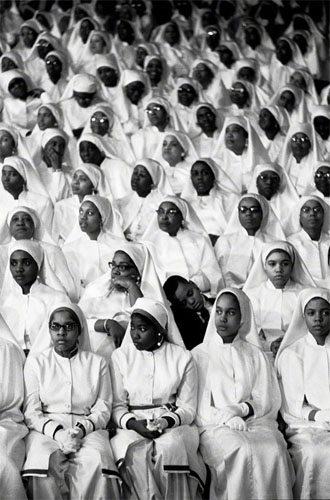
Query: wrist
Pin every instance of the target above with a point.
(131, 424)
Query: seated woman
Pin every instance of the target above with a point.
(90, 245)
(87, 178)
(302, 365)
(108, 74)
(292, 99)
(251, 225)
(56, 75)
(21, 185)
(107, 301)
(176, 153)
(149, 185)
(320, 182)
(179, 245)
(211, 194)
(303, 80)
(308, 229)
(299, 152)
(209, 77)
(23, 223)
(130, 96)
(98, 42)
(238, 150)
(96, 149)
(184, 97)
(12, 428)
(273, 285)
(10, 60)
(35, 63)
(244, 100)
(272, 124)
(160, 79)
(29, 288)
(248, 69)
(321, 128)
(208, 124)
(272, 182)
(20, 103)
(155, 388)
(68, 449)
(238, 401)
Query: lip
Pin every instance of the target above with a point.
(19, 278)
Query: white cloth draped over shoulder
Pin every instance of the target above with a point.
(189, 253)
(137, 212)
(273, 307)
(232, 374)
(236, 251)
(303, 370)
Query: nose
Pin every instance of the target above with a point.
(223, 317)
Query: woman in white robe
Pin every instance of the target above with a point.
(149, 185)
(10, 60)
(209, 77)
(252, 224)
(238, 150)
(299, 153)
(29, 31)
(154, 383)
(272, 126)
(291, 98)
(12, 428)
(107, 301)
(132, 89)
(238, 401)
(56, 77)
(273, 285)
(23, 223)
(180, 245)
(208, 125)
(284, 62)
(321, 128)
(87, 179)
(108, 74)
(303, 369)
(21, 185)
(35, 63)
(98, 43)
(68, 449)
(272, 181)
(30, 287)
(76, 40)
(184, 97)
(90, 245)
(211, 194)
(308, 228)
(160, 79)
(320, 181)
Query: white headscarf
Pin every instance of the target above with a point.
(40, 231)
(293, 223)
(295, 128)
(96, 176)
(300, 112)
(29, 174)
(186, 144)
(8, 76)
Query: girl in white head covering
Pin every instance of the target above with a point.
(24, 223)
(302, 79)
(89, 247)
(239, 149)
(211, 194)
(87, 178)
(167, 461)
(94, 148)
(308, 228)
(255, 41)
(160, 117)
(300, 151)
(28, 33)
(252, 224)
(30, 287)
(80, 96)
(229, 53)
(272, 181)
(249, 69)
(20, 104)
(15, 142)
(149, 185)
(238, 392)
(176, 153)
(274, 282)
(180, 245)
(68, 447)
(184, 97)
(303, 368)
(21, 185)
(108, 73)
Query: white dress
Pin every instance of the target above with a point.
(150, 385)
(56, 395)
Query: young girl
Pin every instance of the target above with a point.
(303, 368)
(238, 392)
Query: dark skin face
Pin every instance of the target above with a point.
(267, 121)
(227, 317)
(7, 64)
(235, 138)
(43, 47)
(108, 76)
(252, 37)
(24, 270)
(21, 226)
(283, 51)
(268, 183)
(322, 180)
(298, 80)
(125, 32)
(202, 178)
(169, 218)
(250, 215)
(203, 75)
(247, 74)
(81, 184)
(239, 95)
(99, 123)
(171, 34)
(90, 220)
(206, 119)
(122, 266)
(53, 68)
(7, 144)
(157, 115)
(144, 333)
(322, 126)
(85, 28)
(300, 145)
(154, 70)
(140, 56)
(12, 181)
(66, 338)
(29, 36)
(134, 92)
(45, 119)
(186, 95)
(226, 56)
(278, 268)
(89, 153)
(312, 217)
(18, 89)
(301, 42)
(84, 99)
(287, 100)
(213, 37)
(317, 317)
(188, 297)
(141, 181)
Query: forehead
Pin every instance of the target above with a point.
(249, 202)
(141, 169)
(62, 316)
(16, 81)
(170, 139)
(201, 165)
(204, 110)
(135, 85)
(278, 255)
(10, 170)
(228, 300)
(99, 115)
(20, 254)
(300, 135)
(317, 303)
(167, 205)
(151, 105)
(138, 319)
(187, 87)
(82, 94)
(22, 214)
(312, 204)
(88, 205)
(154, 62)
(182, 291)
(58, 139)
(287, 94)
(4, 133)
(122, 257)
(87, 144)
(44, 111)
(269, 173)
(235, 128)
(53, 58)
(323, 169)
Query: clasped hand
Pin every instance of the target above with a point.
(141, 427)
(70, 440)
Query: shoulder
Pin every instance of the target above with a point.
(92, 358)
(39, 359)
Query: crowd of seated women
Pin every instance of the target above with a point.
(164, 250)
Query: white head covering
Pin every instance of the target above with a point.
(311, 187)
(50, 133)
(157, 313)
(293, 223)
(44, 35)
(295, 128)
(186, 144)
(216, 92)
(298, 328)
(300, 109)
(102, 144)
(174, 117)
(108, 61)
(184, 81)
(96, 176)
(110, 223)
(62, 57)
(280, 114)
(29, 174)
(13, 56)
(258, 275)
(8, 76)
(82, 82)
(40, 231)
(157, 174)
(324, 111)
(286, 190)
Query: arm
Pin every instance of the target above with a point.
(11, 379)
